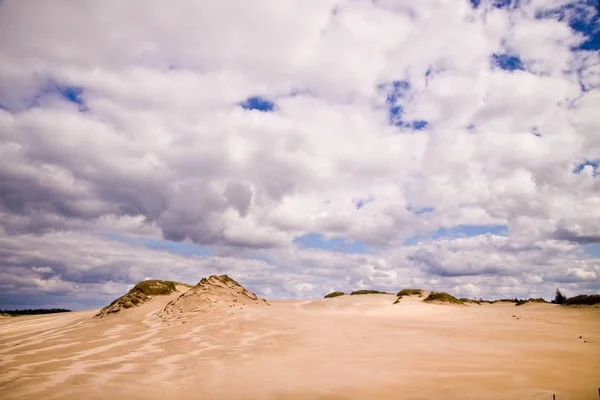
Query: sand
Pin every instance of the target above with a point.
(209, 295)
(350, 347)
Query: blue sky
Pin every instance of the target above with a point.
(320, 242)
(258, 103)
(593, 250)
(507, 62)
(396, 92)
(460, 231)
(337, 244)
(592, 163)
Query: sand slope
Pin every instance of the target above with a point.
(350, 347)
(214, 292)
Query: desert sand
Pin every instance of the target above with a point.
(350, 347)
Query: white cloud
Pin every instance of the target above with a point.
(164, 150)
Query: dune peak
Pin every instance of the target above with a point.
(213, 292)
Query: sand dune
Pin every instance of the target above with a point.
(350, 347)
(214, 292)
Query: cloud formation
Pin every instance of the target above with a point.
(242, 127)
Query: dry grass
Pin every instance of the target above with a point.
(442, 297)
(366, 291)
(471, 301)
(531, 300)
(141, 293)
(410, 292)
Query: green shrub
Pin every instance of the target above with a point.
(334, 294)
(504, 301)
(442, 297)
(466, 300)
(366, 292)
(141, 293)
(410, 292)
(32, 311)
(537, 300)
(583, 300)
(226, 279)
(154, 287)
(221, 278)
(530, 300)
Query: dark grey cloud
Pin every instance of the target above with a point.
(239, 196)
(436, 266)
(573, 237)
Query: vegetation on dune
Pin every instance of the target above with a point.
(504, 301)
(221, 278)
(228, 282)
(559, 298)
(583, 300)
(155, 287)
(515, 301)
(472, 301)
(177, 283)
(579, 300)
(410, 292)
(442, 297)
(129, 300)
(530, 300)
(366, 291)
(34, 311)
(537, 300)
(227, 278)
(140, 294)
(397, 300)
(334, 294)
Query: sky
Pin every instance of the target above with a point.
(300, 146)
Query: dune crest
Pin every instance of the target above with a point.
(214, 292)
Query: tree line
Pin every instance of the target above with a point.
(34, 311)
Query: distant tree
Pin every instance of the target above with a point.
(35, 311)
(559, 298)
